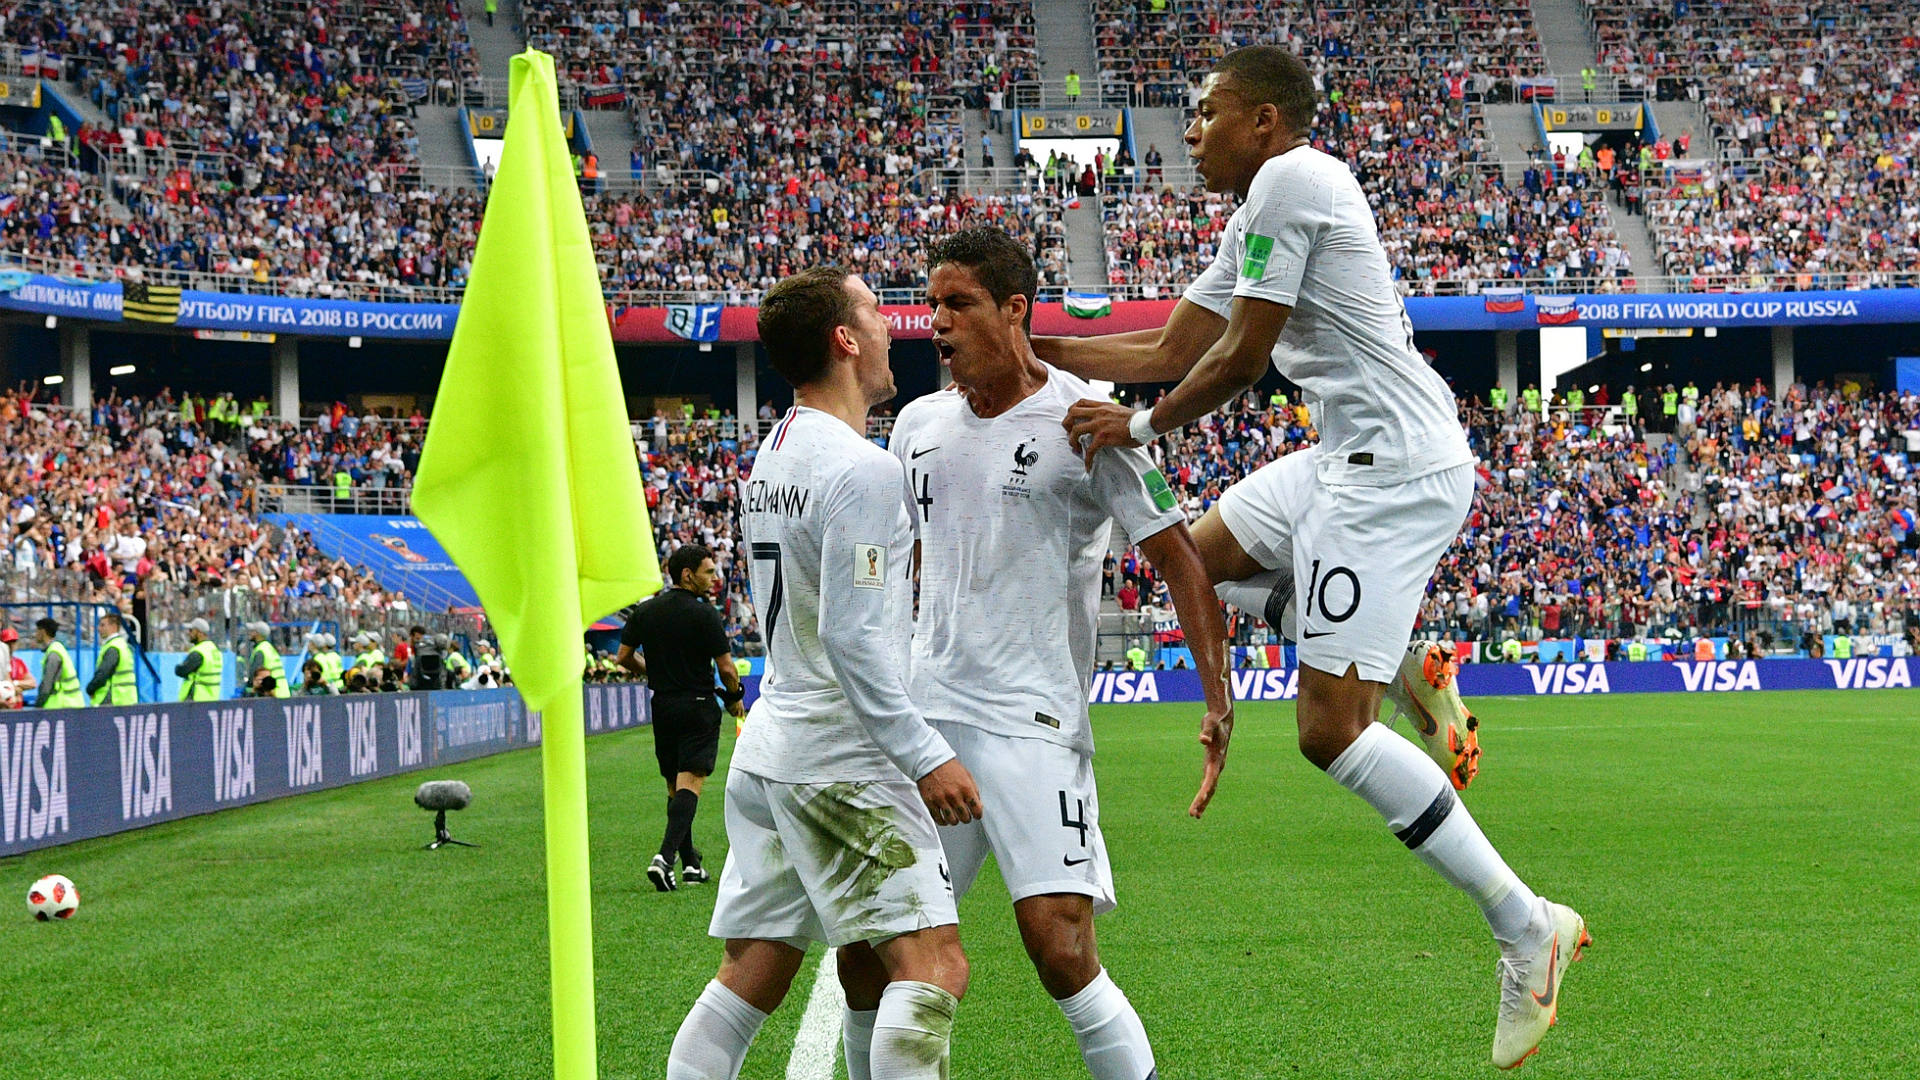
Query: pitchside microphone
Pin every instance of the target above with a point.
(441, 796)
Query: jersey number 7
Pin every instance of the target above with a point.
(770, 552)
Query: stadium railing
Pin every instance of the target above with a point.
(321, 499)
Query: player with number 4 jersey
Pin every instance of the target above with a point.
(1348, 532)
(1013, 528)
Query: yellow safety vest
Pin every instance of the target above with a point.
(1842, 647)
(1636, 651)
(1499, 398)
(369, 658)
(66, 688)
(121, 688)
(1137, 659)
(330, 669)
(275, 665)
(342, 484)
(1532, 399)
(204, 683)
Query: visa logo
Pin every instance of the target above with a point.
(1877, 673)
(1121, 687)
(1720, 675)
(1569, 679)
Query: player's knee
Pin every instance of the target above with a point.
(1064, 956)
(1326, 734)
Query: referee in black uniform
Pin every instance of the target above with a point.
(683, 642)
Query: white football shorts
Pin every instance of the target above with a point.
(836, 863)
(1361, 556)
(1042, 820)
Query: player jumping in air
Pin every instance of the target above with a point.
(1355, 525)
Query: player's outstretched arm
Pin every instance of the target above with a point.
(1234, 362)
(1138, 356)
(1174, 554)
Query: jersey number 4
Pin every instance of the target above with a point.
(921, 485)
(770, 552)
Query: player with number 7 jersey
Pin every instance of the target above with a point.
(829, 840)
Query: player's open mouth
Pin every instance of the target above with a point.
(944, 348)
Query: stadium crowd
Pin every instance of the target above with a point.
(138, 500)
(1815, 121)
(1796, 515)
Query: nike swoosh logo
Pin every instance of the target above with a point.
(1309, 635)
(1070, 861)
(1553, 972)
(1427, 724)
(915, 456)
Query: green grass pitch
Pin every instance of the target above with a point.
(1749, 865)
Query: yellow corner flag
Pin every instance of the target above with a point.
(528, 479)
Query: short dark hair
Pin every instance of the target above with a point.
(416, 628)
(1001, 264)
(685, 558)
(1270, 75)
(49, 625)
(798, 315)
(114, 617)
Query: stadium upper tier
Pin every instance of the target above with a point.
(275, 147)
(1794, 515)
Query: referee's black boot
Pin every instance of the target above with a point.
(693, 871)
(660, 872)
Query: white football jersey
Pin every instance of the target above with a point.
(1013, 530)
(830, 547)
(1306, 238)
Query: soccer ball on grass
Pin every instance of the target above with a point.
(53, 897)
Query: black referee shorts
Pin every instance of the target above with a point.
(686, 733)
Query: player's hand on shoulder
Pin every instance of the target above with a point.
(1093, 426)
(1216, 731)
(950, 794)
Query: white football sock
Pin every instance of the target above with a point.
(1111, 1037)
(912, 1032)
(714, 1038)
(856, 1041)
(1401, 782)
(1268, 597)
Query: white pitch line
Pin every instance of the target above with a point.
(816, 1046)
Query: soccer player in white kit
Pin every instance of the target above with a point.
(829, 839)
(1361, 519)
(1013, 527)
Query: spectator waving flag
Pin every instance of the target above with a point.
(528, 478)
(141, 302)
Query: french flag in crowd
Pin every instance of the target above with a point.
(1555, 310)
(1505, 301)
(38, 61)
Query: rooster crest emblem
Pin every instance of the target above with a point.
(1022, 457)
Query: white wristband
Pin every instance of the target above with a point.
(1141, 427)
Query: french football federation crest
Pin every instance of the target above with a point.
(1022, 457)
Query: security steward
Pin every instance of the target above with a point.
(201, 670)
(59, 679)
(685, 643)
(264, 664)
(113, 672)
